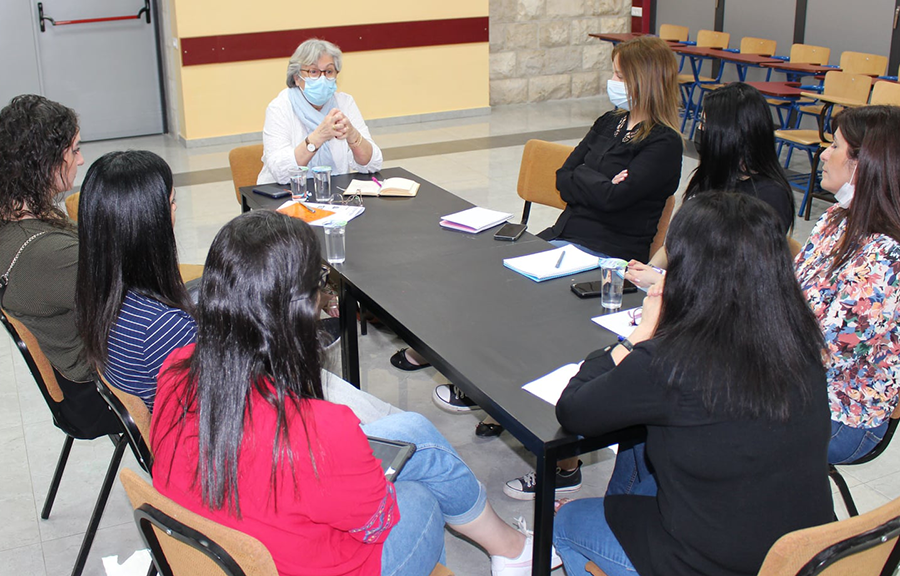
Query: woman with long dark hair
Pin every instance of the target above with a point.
(736, 145)
(132, 306)
(850, 273)
(240, 433)
(724, 372)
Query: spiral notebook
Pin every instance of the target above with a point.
(553, 263)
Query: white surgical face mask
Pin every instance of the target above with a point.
(844, 195)
(618, 94)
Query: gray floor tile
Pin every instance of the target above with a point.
(26, 560)
(120, 541)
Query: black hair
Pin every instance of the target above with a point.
(872, 134)
(733, 318)
(125, 242)
(35, 134)
(737, 141)
(256, 331)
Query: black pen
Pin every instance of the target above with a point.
(561, 256)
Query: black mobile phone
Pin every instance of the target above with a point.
(587, 289)
(510, 232)
(272, 191)
(592, 289)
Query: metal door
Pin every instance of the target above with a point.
(100, 57)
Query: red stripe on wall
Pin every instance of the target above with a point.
(359, 38)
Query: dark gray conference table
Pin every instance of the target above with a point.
(486, 328)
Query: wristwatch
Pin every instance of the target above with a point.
(626, 343)
(309, 145)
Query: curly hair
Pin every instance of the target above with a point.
(34, 135)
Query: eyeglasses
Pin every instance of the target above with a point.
(355, 200)
(635, 316)
(314, 73)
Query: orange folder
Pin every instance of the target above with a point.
(306, 214)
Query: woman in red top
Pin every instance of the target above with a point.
(241, 436)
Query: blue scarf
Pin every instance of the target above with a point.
(311, 118)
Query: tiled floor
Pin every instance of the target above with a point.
(476, 158)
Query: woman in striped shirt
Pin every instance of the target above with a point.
(133, 309)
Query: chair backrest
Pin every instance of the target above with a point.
(246, 164)
(673, 32)
(862, 63)
(134, 417)
(794, 246)
(537, 174)
(885, 93)
(713, 39)
(858, 546)
(182, 542)
(845, 85)
(663, 225)
(809, 54)
(37, 362)
(762, 46)
(72, 206)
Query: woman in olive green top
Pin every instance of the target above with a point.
(40, 154)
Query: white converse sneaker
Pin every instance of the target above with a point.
(521, 565)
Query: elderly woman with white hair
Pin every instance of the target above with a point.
(311, 124)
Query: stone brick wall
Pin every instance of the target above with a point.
(540, 49)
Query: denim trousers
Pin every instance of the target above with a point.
(849, 444)
(580, 531)
(433, 488)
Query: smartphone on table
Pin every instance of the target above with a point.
(510, 232)
(592, 289)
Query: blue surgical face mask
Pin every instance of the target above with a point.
(319, 90)
(618, 94)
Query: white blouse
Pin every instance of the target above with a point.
(283, 132)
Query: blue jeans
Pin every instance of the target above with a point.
(849, 444)
(561, 243)
(434, 487)
(580, 531)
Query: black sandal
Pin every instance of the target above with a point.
(399, 360)
(488, 429)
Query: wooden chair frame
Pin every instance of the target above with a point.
(47, 379)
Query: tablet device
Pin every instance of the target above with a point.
(272, 190)
(392, 453)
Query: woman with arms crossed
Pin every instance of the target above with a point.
(615, 183)
(241, 435)
(850, 273)
(727, 379)
(311, 124)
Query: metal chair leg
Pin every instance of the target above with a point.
(100, 505)
(844, 490)
(363, 324)
(57, 476)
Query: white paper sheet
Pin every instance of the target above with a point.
(341, 212)
(550, 387)
(619, 323)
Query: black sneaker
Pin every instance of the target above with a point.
(449, 397)
(523, 488)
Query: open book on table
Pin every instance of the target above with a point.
(553, 263)
(390, 187)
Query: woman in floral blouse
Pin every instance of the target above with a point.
(850, 273)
